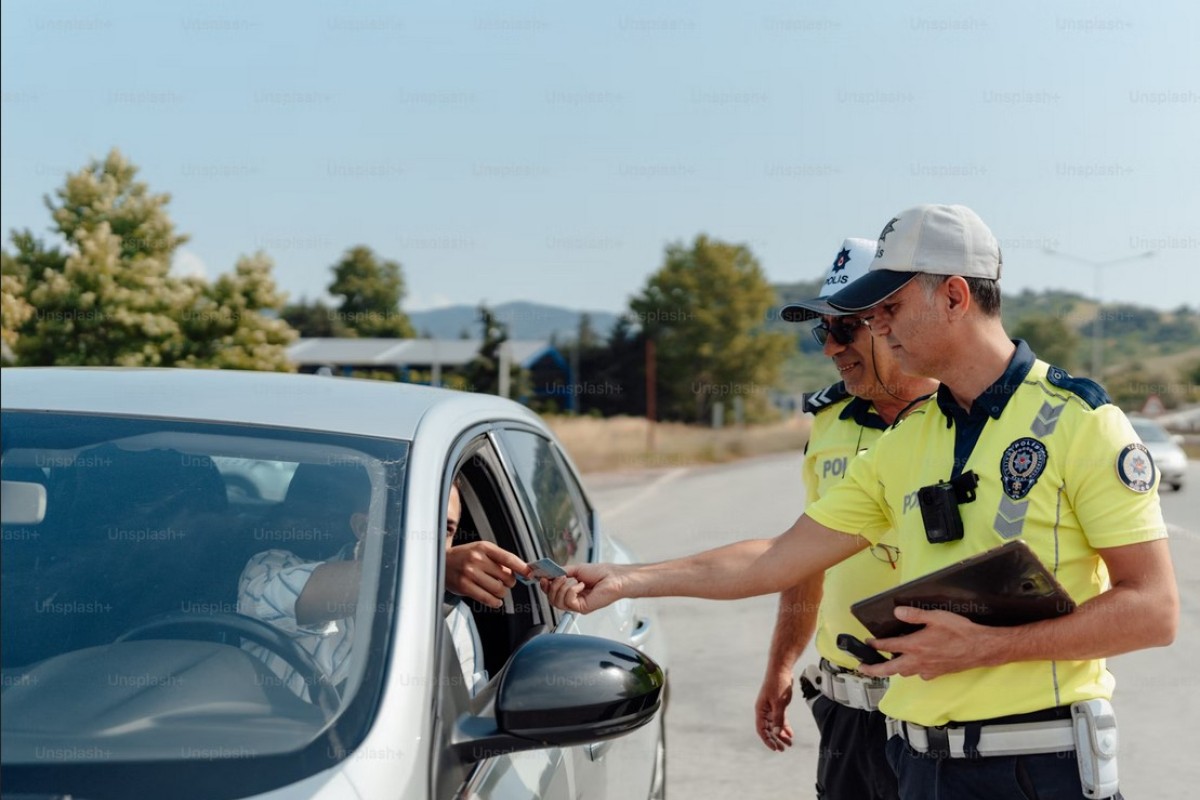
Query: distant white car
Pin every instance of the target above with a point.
(132, 499)
(1169, 457)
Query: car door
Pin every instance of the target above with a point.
(491, 512)
(557, 512)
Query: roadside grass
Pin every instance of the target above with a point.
(620, 443)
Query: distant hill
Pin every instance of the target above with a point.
(1133, 334)
(524, 320)
(1145, 350)
(1156, 345)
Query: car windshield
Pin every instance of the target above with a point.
(153, 572)
(1149, 431)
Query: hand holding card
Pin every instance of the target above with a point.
(542, 568)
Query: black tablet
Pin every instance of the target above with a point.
(1004, 586)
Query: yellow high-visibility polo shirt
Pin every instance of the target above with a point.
(843, 427)
(1058, 468)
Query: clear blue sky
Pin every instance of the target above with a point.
(547, 151)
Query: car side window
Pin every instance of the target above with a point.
(556, 512)
(492, 512)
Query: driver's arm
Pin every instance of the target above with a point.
(330, 593)
(273, 582)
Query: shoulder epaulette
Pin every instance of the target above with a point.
(820, 400)
(1088, 390)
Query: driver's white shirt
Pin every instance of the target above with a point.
(267, 590)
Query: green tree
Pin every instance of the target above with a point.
(585, 335)
(313, 319)
(32, 257)
(14, 309)
(1051, 338)
(233, 323)
(617, 369)
(371, 290)
(1129, 385)
(706, 309)
(103, 310)
(107, 192)
(1189, 383)
(483, 371)
(109, 298)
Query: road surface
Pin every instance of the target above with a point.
(718, 649)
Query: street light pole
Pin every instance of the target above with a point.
(1098, 324)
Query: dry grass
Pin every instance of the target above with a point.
(1168, 363)
(600, 445)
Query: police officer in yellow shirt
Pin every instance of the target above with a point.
(849, 417)
(977, 712)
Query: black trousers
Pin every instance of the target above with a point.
(1043, 776)
(851, 764)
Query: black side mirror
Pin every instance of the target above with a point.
(559, 690)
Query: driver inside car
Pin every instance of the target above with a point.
(315, 601)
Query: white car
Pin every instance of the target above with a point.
(1169, 457)
(127, 670)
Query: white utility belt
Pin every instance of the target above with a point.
(1088, 729)
(846, 688)
(1008, 739)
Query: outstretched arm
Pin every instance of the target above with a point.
(742, 569)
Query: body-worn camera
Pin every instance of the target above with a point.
(939, 507)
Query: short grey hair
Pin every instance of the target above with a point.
(984, 291)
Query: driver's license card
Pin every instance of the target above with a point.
(543, 568)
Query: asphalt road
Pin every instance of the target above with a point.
(718, 649)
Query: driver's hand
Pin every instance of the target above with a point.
(482, 571)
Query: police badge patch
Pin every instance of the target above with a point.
(842, 260)
(1021, 466)
(1136, 468)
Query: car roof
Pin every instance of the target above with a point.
(307, 402)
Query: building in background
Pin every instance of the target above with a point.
(434, 362)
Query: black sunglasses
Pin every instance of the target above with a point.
(843, 332)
